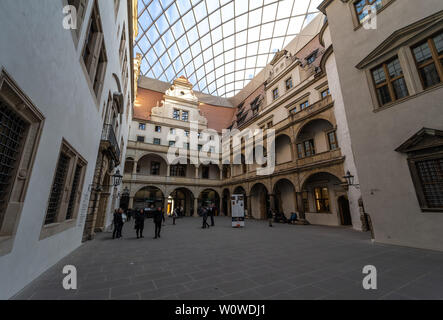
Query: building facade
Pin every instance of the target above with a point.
(65, 104)
(292, 96)
(389, 74)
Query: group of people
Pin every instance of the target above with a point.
(206, 211)
(275, 216)
(120, 217)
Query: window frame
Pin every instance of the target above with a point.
(435, 58)
(275, 94)
(140, 140)
(322, 199)
(155, 168)
(389, 81)
(286, 84)
(328, 133)
(156, 141)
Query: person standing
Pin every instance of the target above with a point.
(139, 223)
(118, 224)
(212, 213)
(204, 213)
(158, 219)
(175, 213)
(270, 216)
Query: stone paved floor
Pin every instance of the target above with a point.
(257, 262)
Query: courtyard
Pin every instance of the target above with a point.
(257, 262)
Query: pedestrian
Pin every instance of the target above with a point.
(182, 212)
(270, 216)
(175, 213)
(212, 213)
(139, 223)
(158, 219)
(123, 220)
(118, 224)
(204, 214)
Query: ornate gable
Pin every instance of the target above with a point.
(424, 139)
(401, 36)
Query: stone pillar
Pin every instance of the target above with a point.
(165, 206)
(168, 170)
(248, 197)
(131, 202)
(196, 172)
(134, 168)
(195, 207)
(221, 174)
(300, 207)
(272, 201)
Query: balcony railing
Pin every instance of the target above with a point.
(312, 108)
(110, 142)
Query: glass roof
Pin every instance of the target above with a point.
(219, 45)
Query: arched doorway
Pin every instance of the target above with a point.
(148, 196)
(345, 213)
(259, 201)
(181, 197)
(285, 197)
(226, 210)
(208, 197)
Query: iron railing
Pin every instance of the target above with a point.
(108, 136)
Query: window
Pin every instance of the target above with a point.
(171, 143)
(199, 147)
(289, 84)
(157, 141)
(325, 93)
(178, 170)
(332, 139)
(94, 52)
(187, 133)
(205, 172)
(176, 114)
(429, 59)
(389, 82)
(360, 8)
(20, 127)
(430, 173)
(68, 180)
(185, 116)
(322, 199)
(304, 105)
(142, 126)
(309, 148)
(270, 124)
(275, 93)
(172, 131)
(80, 6)
(158, 129)
(140, 139)
(300, 150)
(311, 58)
(155, 168)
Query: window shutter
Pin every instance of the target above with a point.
(94, 47)
(100, 77)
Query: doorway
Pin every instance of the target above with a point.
(345, 213)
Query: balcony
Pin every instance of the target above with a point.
(312, 109)
(109, 142)
(142, 178)
(320, 158)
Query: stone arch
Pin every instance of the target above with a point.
(138, 157)
(149, 195)
(285, 196)
(259, 200)
(208, 196)
(182, 197)
(129, 165)
(144, 164)
(314, 134)
(303, 124)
